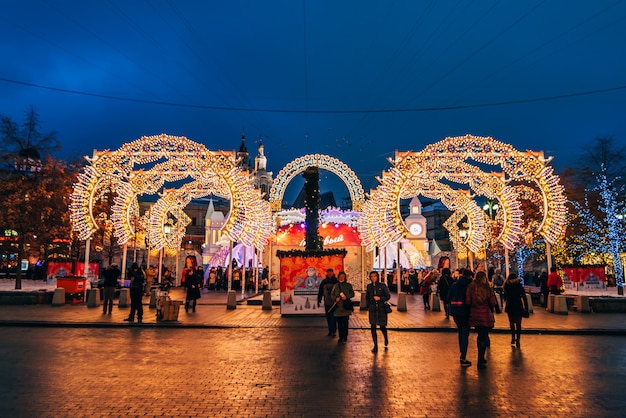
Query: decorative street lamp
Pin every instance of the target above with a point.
(491, 207)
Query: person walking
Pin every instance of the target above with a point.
(413, 281)
(425, 288)
(481, 301)
(193, 282)
(443, 288)
(545, 290)
(516, 306)
(325, 292)
(111, 275)
(376, 295)
(555, 282)
(460, 313)
(342, 293)
(136, 293)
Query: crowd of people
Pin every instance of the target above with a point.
(469, 297)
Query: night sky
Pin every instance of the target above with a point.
(353, 79)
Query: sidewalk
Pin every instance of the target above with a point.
(212, 313)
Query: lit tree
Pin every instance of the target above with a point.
(602, 218)
(32, 188)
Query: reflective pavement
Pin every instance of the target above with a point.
(300, 372)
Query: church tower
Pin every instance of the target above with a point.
(261, 178)
(243, 157)
(213, 222)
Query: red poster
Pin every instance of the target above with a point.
(58, 269)
(570, 274)
(338, 235)
(300, 280)
(93, 273)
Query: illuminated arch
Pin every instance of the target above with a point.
(325, 162)
(169, 159)
(526, 166)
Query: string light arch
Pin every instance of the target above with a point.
(325, 162)
(164, 158)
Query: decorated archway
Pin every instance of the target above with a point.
(325, 162)
(144, 166)
(413, 172)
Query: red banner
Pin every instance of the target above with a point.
(300, 280)
(591, 275)
(338, 235)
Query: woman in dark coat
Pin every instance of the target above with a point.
(376, 295)
(192, 281)
(516, 305)
(342, 291)
(481, 300)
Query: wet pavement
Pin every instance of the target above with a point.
(300, 372)
(72, 360)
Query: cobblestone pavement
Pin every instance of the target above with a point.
(299, 372)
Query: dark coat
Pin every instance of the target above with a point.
(193, 283)
(443, 287)
(347, 290)
(457, 293)
(480, 314)
(376, 309)
(516, 301)
(136, 284)
(325, 291)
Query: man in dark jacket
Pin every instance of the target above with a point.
(460, 312)
(136, 293)
(325, 292)
(111, 275)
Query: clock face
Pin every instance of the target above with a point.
(415, 229)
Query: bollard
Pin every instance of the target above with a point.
(560, 305)
(402, 302)
(435, 305)
(124, 297)
(58, 299)
(582, 304)
(362, 305)
(231, 302)
(550, 305)
(153, 299)
(267, 300)
(93, 298)
(529, 301)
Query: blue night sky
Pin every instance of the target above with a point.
(353, 79)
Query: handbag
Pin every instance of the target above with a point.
(388, 307)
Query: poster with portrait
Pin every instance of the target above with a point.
(300, 279)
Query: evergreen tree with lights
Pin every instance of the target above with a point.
(603, 220)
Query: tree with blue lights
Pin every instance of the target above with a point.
(602, 214)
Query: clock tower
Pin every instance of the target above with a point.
(416, 224)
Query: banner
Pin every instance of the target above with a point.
(300, 280)
(339, 235)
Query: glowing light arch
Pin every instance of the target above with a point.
(172, 159)
(326, 162)
(527, 166)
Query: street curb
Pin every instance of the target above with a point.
(178, 325)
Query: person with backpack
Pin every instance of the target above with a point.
(460, 313)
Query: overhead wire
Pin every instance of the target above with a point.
(502, 70)
(321, 111)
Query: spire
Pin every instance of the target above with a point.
(242, 147)
(210, 210)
